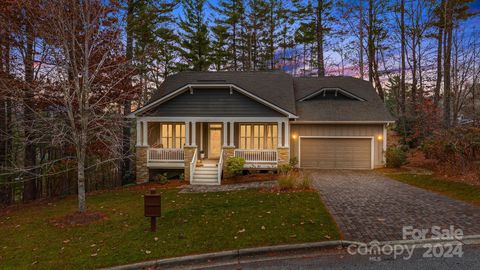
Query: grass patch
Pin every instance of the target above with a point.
(191, 223)
(457, 190)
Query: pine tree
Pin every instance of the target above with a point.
(220, 55)
(195, 43)
(231, 15)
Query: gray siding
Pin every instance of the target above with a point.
(340, 130)
(212, 102)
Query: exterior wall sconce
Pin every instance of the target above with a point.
(294, 136)
(379, 137)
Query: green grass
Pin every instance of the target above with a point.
(191, 223)
(457, 190)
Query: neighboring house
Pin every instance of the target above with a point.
(265, 117)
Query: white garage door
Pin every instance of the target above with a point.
(335, 153)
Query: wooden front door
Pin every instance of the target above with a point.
(214, 141)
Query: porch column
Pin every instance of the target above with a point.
(187, 133)
(194, 134)
(225, 143)
(287, 135)
(145, 133)
(280, 131)
(139, 133)
(231, 134)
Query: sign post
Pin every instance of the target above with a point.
(153, 208)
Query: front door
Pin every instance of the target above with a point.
(214, 140)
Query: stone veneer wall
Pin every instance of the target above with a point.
(189, 151)
(228, 151)
(142, 175)
(283, 155)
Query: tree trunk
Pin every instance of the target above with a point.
(402, 55)
(82, 205)
(30, 186)
(127, 105)
(438, 82)
(319, 30)
(447, 64)
(360, 58)
(370, 41)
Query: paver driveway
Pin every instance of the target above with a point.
(369, 206)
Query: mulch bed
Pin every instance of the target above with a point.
(78, 219)
(257, 177)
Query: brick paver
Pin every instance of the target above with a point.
(369, 206)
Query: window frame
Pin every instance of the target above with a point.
(172, 138)
(258, 136)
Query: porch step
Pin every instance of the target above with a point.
(205, 175)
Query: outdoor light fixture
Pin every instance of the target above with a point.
(380, 137)
(294, 136)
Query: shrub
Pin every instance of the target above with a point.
(161, 178)
(284, 168)
(287, 181)
(234, 165)
(305, 182)
(293, 162)
(294, 179)
(395, 157)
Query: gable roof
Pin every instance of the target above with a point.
(274, 87)
(290, 94)
(370, 109)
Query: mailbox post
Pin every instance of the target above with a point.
(153, 208)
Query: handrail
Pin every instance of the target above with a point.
(193, 163)
(257, 155)
(220, 168)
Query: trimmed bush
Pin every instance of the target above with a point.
(234, 165)
(395, 157)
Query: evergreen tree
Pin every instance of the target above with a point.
(231, 15)
(220, 55)
(195, 43)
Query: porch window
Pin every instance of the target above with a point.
(173, 135)
(258, 136)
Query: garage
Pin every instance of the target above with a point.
(336, 153)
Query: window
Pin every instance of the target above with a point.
(258, 136)
(173, 135)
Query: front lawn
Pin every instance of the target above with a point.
(457, 190)
(191, 223)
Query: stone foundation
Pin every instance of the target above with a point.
(142, 175)
(228, 151)
(283, 155)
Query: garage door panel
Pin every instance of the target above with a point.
(335, 153)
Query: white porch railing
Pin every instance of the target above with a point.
(220, 168)
(165, 155)
(193, 164)
(257, 155)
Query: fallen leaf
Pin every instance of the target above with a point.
(148, 251)
(94, 255)
(156, 238)
(66, 241)
(241, 231)
(263, 227)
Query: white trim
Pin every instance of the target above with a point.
(228, 85)
(139, 133)
(318, 92)
(231, 134)
(340, 122)
(224, 131)
(279, 134)
(287, 135)
(384, 146)
(201, 139)
(213, 119)
(372, 145)
(145, 133)
(194, 134)
(187, 133)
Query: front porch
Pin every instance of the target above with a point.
(201, 147)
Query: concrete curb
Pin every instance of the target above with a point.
(232, 254)
(239, 253)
